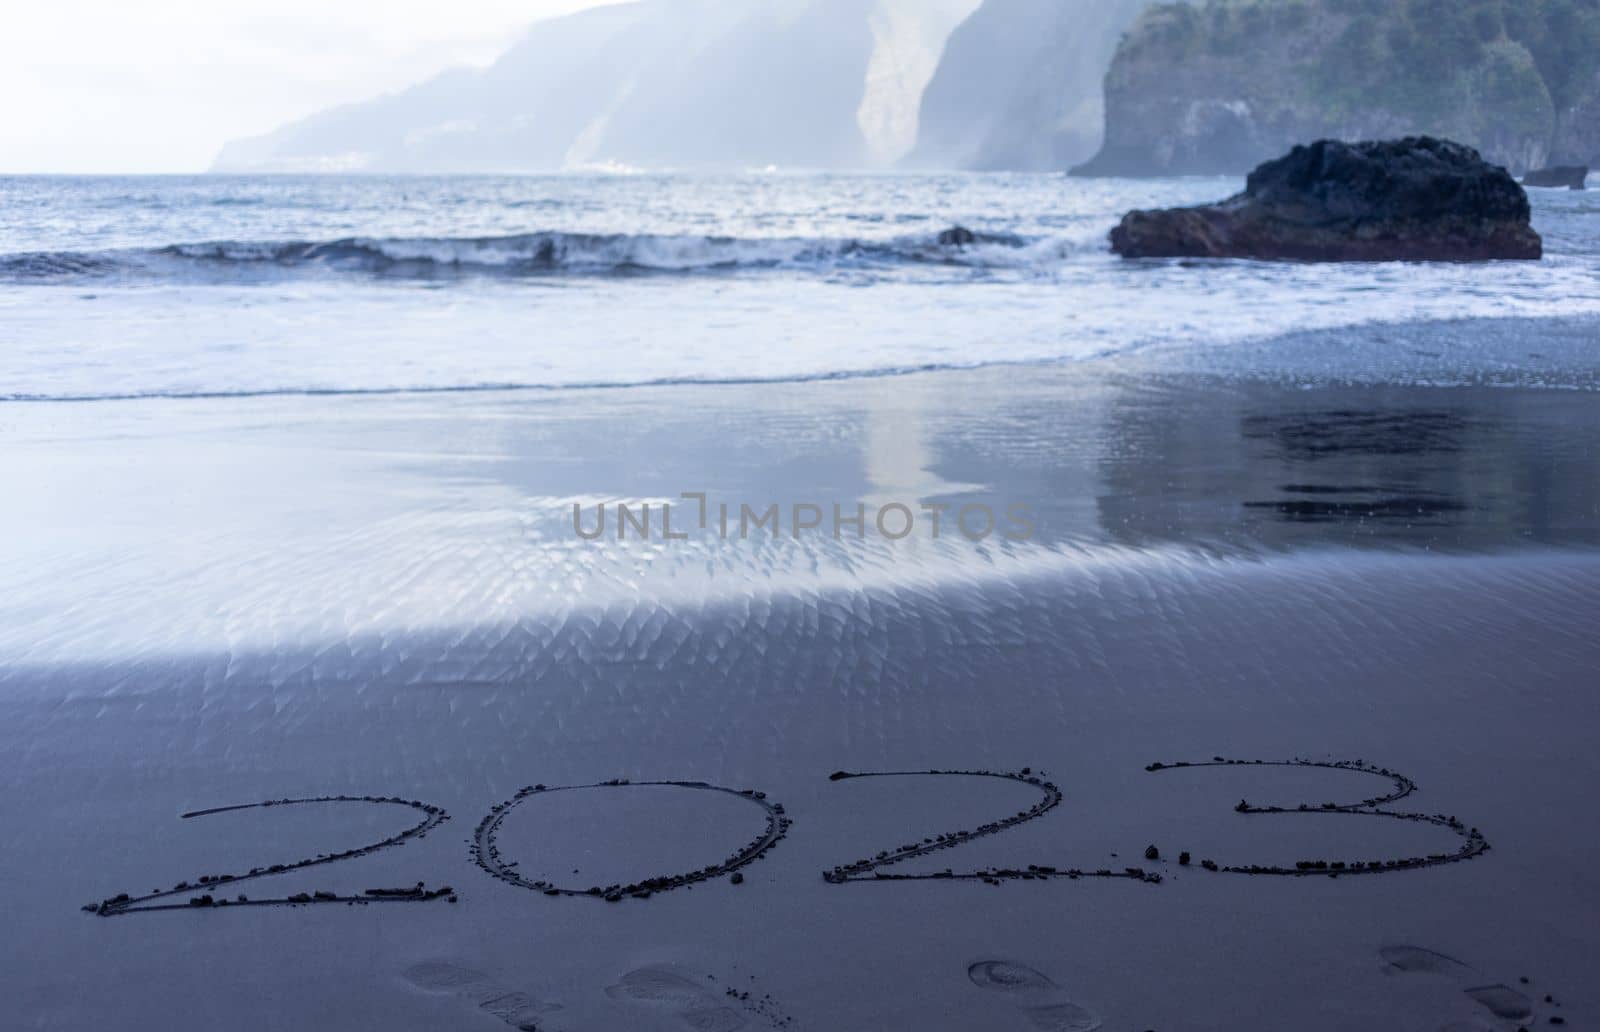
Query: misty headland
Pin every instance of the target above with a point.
(1124, 87)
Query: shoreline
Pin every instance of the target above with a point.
(1266, 355)
(211, 605)
(314, 519)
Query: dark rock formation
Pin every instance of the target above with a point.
(1573, 177)
(1417, 199)
(957, 236)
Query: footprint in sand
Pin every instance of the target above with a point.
(1040, 1000)
(693, 1004)
(517, 1009)
(1502, 1001)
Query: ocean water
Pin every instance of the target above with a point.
(274, 415)
(171, 286)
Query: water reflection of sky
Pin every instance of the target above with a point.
(266, 521)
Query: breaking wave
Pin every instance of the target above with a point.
(539, 254)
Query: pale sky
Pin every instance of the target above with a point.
(160, 85)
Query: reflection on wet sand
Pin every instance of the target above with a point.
(1463, 469)
(1311, 439)
(308, 522)
(1097, 457)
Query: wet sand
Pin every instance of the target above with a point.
(335, 599)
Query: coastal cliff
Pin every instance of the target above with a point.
(1220, 87)
(1018, 86)
(652, 84)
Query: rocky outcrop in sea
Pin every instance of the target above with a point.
(1572, 177)
(1417, 199)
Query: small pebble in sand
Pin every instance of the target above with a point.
(737, 878)
(1152, 853)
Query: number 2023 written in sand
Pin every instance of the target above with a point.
(218, 891)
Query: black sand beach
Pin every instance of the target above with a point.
(384, 596)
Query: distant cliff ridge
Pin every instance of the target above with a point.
(653, 84)
(1019, 85)
(1221, 87)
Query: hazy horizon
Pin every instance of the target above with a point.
(162, 87)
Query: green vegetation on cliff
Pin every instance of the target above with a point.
(1213, 87)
